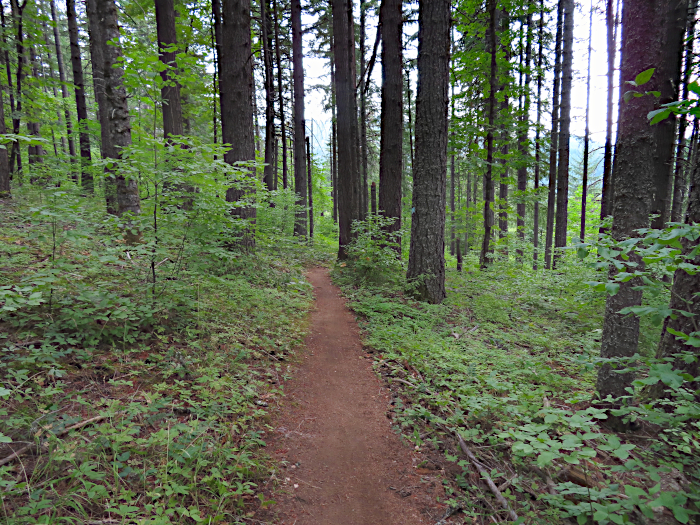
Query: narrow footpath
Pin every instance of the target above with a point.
(345, 465)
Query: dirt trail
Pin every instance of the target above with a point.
(345, 465)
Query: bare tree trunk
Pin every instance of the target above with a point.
(349, 176)
(311, 188)
(554, 140)
(584, 192)
(270, 139)
(523, 140)
(80, 103)
(426, 261)
(334, 141)
(300, 227)
(606, 199)
(97, 44)
(684, 297)
(452, 124)
(119, 125)
(167, 53)
(536, 184)
(489, 190)
(363, 107)
(6, 57)
(4, 163)
(391, 147)
(410, 116)
(236, 88)
(62, 77)
(560, 237)
(682, 155)
(667, 77)
(36, 153)
(280, 88)
(17, 17)
(634, 184)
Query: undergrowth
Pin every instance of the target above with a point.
(136, 380)
(508, 362)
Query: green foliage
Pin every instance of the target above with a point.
(175, 343)
(509, 361)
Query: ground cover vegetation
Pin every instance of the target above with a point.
(161, 191)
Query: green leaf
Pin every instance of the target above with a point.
(644, 77)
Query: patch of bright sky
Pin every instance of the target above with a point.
(317, 72)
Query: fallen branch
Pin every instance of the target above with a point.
(22, 450)
(487, 478)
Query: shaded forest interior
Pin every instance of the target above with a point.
(527, 288)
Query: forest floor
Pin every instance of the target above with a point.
(341, 461)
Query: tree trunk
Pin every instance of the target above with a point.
(97, 44)
(584, 184)
(503, 113)
(426, 261)
(606, 199)
(18, 19)
(363, 107)
(6, 57)
(536, 182)
(35, 153)
(349, 177)
(684, 297)
(80, 103)
(560, 237)
(489, 190)
(236, 88)
(410, 116)
(523, 144)
(300, 185)
(270, 139)
(62, 77)
(373, 199)
(117, 109)
(679, 183)
(167, 53)
(391, 146)
(673, 17)
(4, 163)
(311, 188)
(554, 139)
(280, 89)
(334, 142)
(634, 185)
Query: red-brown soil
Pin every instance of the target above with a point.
(341, 461)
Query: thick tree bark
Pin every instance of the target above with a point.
(684, 297)
(426, 261)
(236, 88)
(80, 103)
(409, 110)
(523, 144)
(554, 139)
(97, 45)
(334, 142)
(672, 16)
(560, 237)
(280, 92)
(391, 146)
(584, 183)
(117, 109)
(489, 190)
(300, 227)
(349, 177)
(634, 185)
(270, 139)
(62, 77)
(167, 53)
